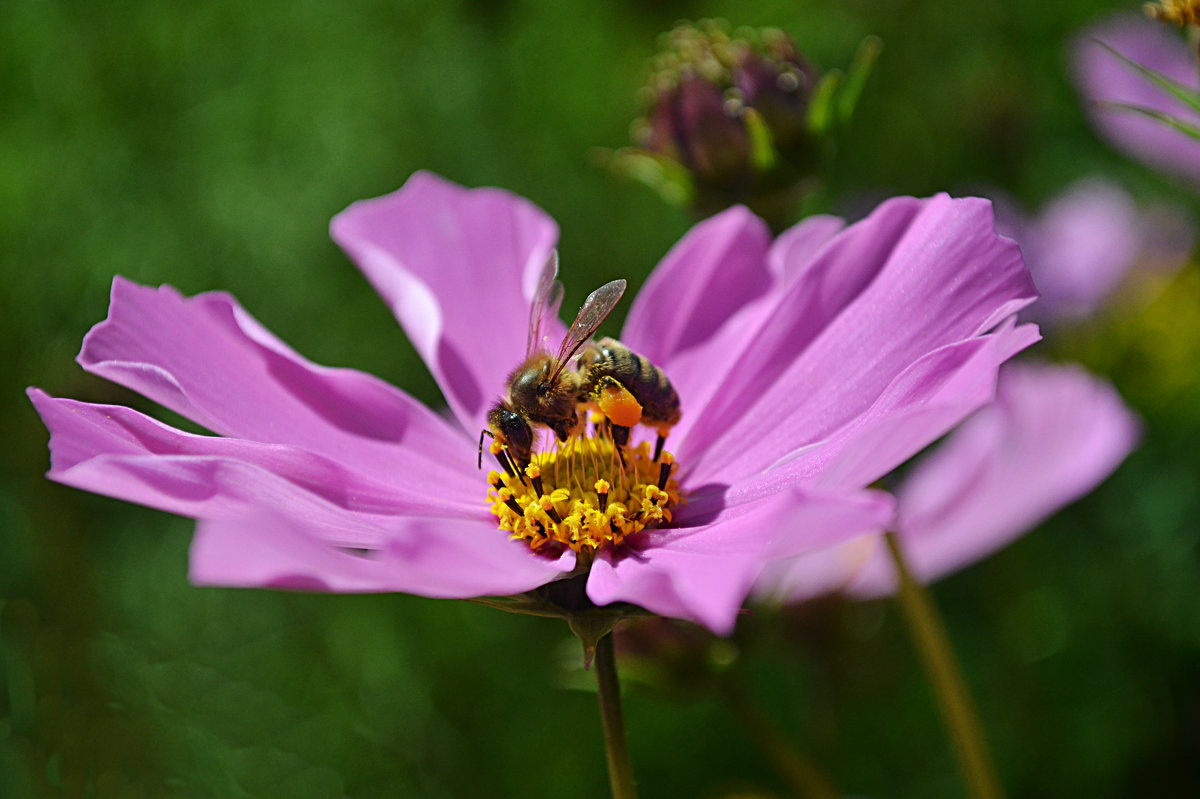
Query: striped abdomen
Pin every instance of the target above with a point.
(648, 384)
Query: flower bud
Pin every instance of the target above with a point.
(729, 116)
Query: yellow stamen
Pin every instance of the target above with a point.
(585, 499)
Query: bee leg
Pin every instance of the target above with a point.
(562, 429)
(482, 433)
(658, 446)
(620, 437)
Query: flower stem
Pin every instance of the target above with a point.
(928, 632)
(620, 769)
(796, 769)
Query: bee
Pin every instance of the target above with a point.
(628, 389)
(542, 391)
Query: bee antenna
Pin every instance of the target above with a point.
(482, 433)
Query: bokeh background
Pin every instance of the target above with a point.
(207, 146)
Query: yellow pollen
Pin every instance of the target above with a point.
(583, 495)
(1181, 13)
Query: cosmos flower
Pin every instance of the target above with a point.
(1105, 80)
(807, 367)
(1051, 436)
(1088, 241)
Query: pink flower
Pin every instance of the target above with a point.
(807, 367)
(1088, 241)
(1052, 435)
(1104, 80)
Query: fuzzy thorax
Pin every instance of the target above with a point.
(585, 495)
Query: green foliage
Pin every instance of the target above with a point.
(208, 145)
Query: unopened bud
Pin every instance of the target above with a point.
(728, 115)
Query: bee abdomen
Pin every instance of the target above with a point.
(649, 385)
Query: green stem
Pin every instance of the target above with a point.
(796, 769)
(620, 769)
(954, 700)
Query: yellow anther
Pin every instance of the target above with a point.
(495, 447)
(627, 498)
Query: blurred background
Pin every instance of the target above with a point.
(207, 147)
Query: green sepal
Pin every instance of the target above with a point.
(667, 177)
(821, 107)
(762, 145)
(856, 77)
(590, 626)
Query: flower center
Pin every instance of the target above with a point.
(584, 494)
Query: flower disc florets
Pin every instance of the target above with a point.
(585, 494)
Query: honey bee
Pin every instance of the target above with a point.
(628, 389)
(542, 391)
(625, 387)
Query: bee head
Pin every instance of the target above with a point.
(512, 429)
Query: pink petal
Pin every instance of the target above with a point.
(824, 571)
(703, 573)
(458, 267)
(451, 558)
(1053, 435)
(1085, 243)
(119, 452)
(207, 359)
(931, 396)
(708, 295)
(797, 248)
(915, 276)
(1104, 78)
(719, 267)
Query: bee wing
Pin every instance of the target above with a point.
(546, 301)
(595, 310)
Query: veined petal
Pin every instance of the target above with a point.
(1053, 434)
(459, 268)
(915, 276)
(718, 268)
(207, 359)
(1104, 78)
(112, 450)
(925, 400)
(704, 572)
(797, 248)
(705, 300)
(451, 558)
